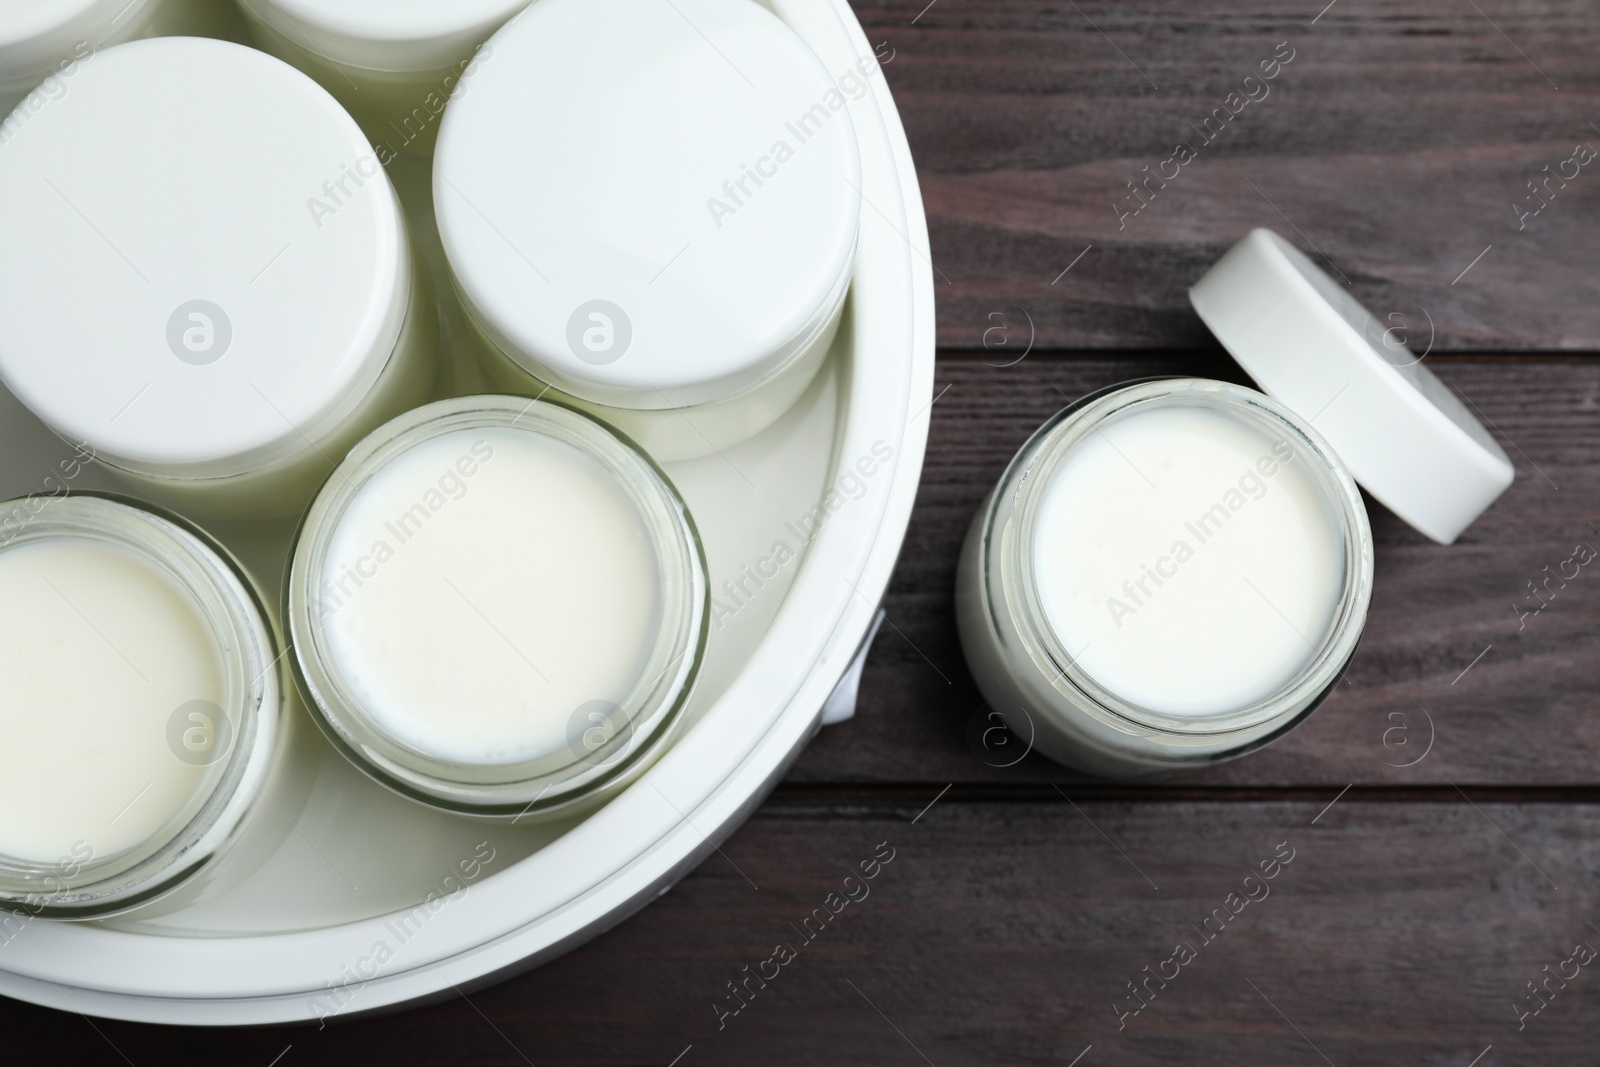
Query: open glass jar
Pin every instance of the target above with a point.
(243, 305)
(498, 607)
(1174, 572)
(1170, 573)
(145, 720)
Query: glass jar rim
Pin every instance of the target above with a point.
(253, 677)
(545, 783)
(1031, 472)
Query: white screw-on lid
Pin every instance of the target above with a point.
(1307, 342)
(203, 265)
(36, 34)
(651, 205)
(387, 35)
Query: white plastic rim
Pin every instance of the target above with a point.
(700, 791)
(237, 289)
(35, 34)
(696, 176)
(1310, 345)
(400, 36)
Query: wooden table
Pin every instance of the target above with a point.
(1440, 808)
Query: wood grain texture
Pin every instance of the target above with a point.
(1020, 903)
(1393, 146)
(1005, 932)
(1524, 714)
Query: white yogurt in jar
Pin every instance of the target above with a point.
(510, 582)
(144, 718)
(99, 650)
(1170, 573)
(499, 607)
(1187, 560)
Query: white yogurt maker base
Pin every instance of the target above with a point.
(770, 669)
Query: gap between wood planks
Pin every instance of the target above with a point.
(884, 796)
(978, 354)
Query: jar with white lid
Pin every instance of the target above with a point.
(145, 718)
(1176, 571)
(44, 43)
(498, 607)
(242, 304)
(393, 63)
(668, 239)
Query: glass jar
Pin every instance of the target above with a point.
(498, 607)
(1171, 573)
(394, 65)
(243, 304)
(146, 719)
(668, 242)
(44, 43)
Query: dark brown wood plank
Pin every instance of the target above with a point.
(1524, 714)
(1394, 145)
(1005, 933)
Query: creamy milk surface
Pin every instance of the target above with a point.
(99, 651)
(1188, 560)
(484, 586)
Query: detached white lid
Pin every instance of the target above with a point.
(1309, 344)
(37, 34)
(650, 205)
(202, 265)
(388, 35)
